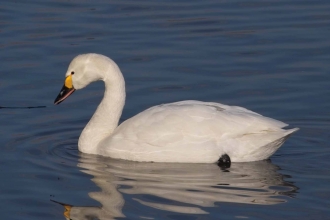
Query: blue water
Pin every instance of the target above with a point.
(269, 56)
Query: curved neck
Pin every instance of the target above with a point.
(107, 115)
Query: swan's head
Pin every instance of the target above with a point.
(83, 70)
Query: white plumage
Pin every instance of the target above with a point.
(183, 132)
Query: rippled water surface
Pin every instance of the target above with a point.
(272, 57)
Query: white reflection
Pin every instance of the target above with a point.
(179, 188)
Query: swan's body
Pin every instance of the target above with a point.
(184, 132)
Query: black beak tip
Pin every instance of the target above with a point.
(64, 93)
(57, 100)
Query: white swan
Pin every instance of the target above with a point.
(183, 132)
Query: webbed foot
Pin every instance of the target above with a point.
(224, 161)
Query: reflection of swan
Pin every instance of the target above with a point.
(179, 188)
(184, 132)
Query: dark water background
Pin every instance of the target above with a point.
(272, 57)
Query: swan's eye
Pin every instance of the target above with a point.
(72, 73)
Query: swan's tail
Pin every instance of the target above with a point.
(290, 131)
(260, 146)
(272, 147)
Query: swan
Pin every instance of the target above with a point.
(180, 132)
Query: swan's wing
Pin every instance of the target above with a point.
(193, 120)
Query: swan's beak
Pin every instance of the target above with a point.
(66, 90)
(67, 208)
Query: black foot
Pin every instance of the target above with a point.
(224, 161)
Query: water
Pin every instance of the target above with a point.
(271, 57)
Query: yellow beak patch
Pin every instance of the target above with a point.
(68, 82)
(67, 211)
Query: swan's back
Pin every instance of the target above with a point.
(196, 132)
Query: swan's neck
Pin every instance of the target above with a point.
(107, 115)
